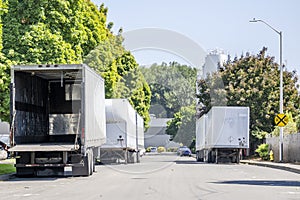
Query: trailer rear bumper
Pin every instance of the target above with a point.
(42, 147)
(50, 165)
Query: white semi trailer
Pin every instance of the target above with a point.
(57, 119)
(222, 134)
(125, 133)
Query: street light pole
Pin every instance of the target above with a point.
(280, 84)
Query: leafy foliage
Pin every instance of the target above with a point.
(123, 78)
(4, 71)
(4, 88)
(161, 149)
(173, 93)
(58, 31)
(251, 81)
(183, 126)
(172, 87)
(51, 31)
(46, 32)
(263, 151)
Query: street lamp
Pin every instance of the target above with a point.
(280, 86)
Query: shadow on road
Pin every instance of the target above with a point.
(195, 162)
(262, 183)
(188, 162)
(14, 178)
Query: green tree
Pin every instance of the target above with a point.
(173, 95)
(252, 81)
(4, 88)
(55, 31)
(61, 31)
(4, 73)
(183, 126)
(46, 32)
(123, 78)
(172, 87)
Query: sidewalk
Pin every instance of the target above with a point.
(291, 167)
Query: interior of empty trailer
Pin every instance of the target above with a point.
(46, 106)
(50, 128)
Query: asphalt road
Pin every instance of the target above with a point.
(161, 177)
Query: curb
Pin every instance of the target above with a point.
(270, 165)
(6, 177)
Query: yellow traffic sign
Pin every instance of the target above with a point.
(281, 120)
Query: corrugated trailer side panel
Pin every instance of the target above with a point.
(210, 129)
(131, 126)
(94, 109)
(140, 126)
(230, 127)
(115, 131)
(200, 133)
(120, 110)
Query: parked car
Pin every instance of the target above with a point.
(4, 141)
(4, 146)
(153, 149)
(184, 151)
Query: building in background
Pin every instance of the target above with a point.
(156, 134)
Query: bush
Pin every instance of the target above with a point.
(172, 149)
(161, 149)
(148, 149)
(263, 151)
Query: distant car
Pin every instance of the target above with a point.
(184, 151)
(153, 149)
(4, 145)
(4, 141)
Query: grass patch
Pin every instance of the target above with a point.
(7, 169)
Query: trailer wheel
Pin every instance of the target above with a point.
(198, 158)
(238, 157)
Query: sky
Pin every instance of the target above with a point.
(191, 25)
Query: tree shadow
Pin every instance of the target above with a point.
(262, 183)
(188, 162)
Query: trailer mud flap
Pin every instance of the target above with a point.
(87, 168)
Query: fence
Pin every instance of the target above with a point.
(291, 147)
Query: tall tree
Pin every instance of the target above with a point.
(4, 71)
(55, 31)
(172, 86)
(253, 81)
(122, 75)
(183, 126)
(62, 31)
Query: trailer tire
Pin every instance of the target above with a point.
(198, 158)
(209, 157)
(238, 157)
